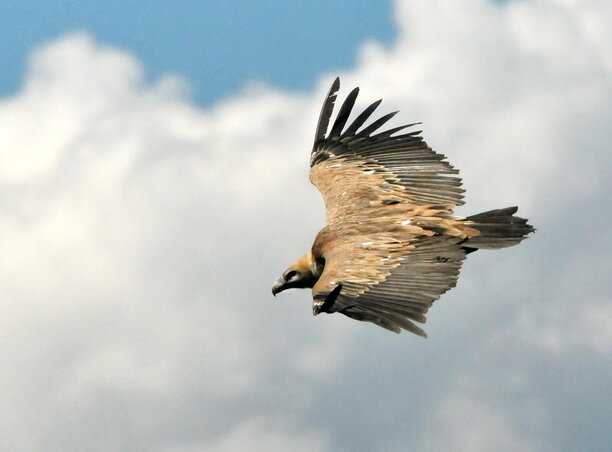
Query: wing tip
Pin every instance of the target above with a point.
(343, 114)
(326, 110)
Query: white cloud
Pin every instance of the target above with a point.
(589, 330)
(467, 424)
(261, 435)
(139, 235)
(129, 232)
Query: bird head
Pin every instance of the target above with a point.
(297, 276)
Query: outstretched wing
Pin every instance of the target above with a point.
(354, 167)
(391, 245)
(364, 288)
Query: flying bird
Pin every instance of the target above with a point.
(391, 244)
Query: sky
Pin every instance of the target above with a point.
(216, 46)
(153, 171)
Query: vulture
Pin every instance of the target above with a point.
(391, 245)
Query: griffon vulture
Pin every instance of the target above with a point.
(391, 244)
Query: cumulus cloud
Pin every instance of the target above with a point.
(132, 226)
(261, 435)
(139, 234)
(465, 423)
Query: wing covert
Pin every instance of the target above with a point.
(390, 288)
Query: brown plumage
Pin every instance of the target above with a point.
(391, 244)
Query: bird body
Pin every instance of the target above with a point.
(391, 244)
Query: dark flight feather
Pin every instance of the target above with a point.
(361, 119)
(326, 111)
(343, 115)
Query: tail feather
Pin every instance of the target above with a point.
(498, 228)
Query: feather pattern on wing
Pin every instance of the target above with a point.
(404, 159)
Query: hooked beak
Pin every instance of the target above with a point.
(278, 286)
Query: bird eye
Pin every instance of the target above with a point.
(290, 275)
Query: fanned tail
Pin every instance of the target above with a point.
(498, 228)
